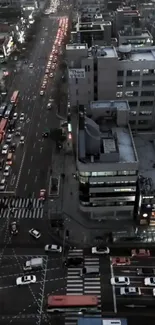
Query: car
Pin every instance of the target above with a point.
(26, 279)
(150, 281)
(121, 261)
(13, 147)
(42, 194)
(41, 92)
(145, 271)
(21, 119)
(15, 116)
(31, 65)
(53, 248)
(46, 77)
(9, 138)
(6, 172)
(1, 163)
(47, 71)
(49, 105)
(35, 233)
(45, 134)
(48, 66)
(120, 280)
(2, 184)
(100, 250)
(153, 292)
(18, 131)
(22, 139)
(140, 252)
(43, 86)
(130, 291)
(5, 149)
(73, 262)
(13, 228)
(51, 75)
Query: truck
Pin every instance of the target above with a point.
(33, 263)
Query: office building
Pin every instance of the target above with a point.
(135, 36)
(107, 161)
(126, 16)
(108, 73)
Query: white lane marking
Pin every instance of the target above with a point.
(113, 288)
(41, 150)
(31, 158)
(34, 145)
(46, 120)
(25, 187)
(20, 170)
(38, 125)
(28, 171)
(36, 179)
(36, 134)
(13, 178)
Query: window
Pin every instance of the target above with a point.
(133, 104)
(147, 93)
(89, 68)
(86, 69)
(133, 113)
(77, 92)
(120, 84)
(76, 81)
(148, 83)
(119, 94)
(132, 83)
(145, 113)
(146, 103)
(108, 173)
(131, 93)
(146, 71)
(129, 72)
(135, 72)
(143, 122)
(120, 73)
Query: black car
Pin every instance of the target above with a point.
(145, 271)
(74, 262)
(13, 147)
(45, 134)
(14, 228)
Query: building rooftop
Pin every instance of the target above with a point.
(143, 54)
(104, 51)
(146, 154)
(102, 137)
(130, 32)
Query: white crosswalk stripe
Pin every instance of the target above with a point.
(77, 285)
(21, 208)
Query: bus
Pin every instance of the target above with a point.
(14, 97)
(3, 124)
(74, 303)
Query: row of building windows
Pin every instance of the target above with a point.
(135, 93)
(142, 103)
(142, 113)
(136, 83)
(109, 173)
(106, 204)
(136, 72)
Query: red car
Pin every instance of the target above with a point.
(120, 261)
(42, 194)
(140, 252)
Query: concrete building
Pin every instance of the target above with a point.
(18, 3)
(107, 73)
(135, 36)
(126, 16)
(97, 32)
(107, 161)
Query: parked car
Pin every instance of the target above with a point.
(120, 261)
(140, 252)
(42, 194)
(6, 172)
(150, 281)
(120, 280)
(53, 248)
(5, 149)
(22, 139)
(145, 271)
(100, 250)
(26, 279)
(9, 138)
(130, 291)
(13, 228)
(2, 184)
(35, 233)
(74, 262)
(21, 119)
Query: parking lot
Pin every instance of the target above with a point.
(28, 301)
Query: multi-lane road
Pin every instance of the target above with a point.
(54, 278)
(31, 166)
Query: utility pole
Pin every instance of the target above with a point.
(63, 245)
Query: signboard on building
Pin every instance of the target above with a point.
(77, 73)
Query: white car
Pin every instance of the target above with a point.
(6, 171)
(53, 248)
(26, 279)
(149, 282)
(2, 184)
(15, 116)
(41, 92)
(22, 139)
(31, 65)
(21, 119)
(120, 280)
(5, 149)
(9, 138)
(51, 75)
(100, 250)
(35, 233)
(130, 291)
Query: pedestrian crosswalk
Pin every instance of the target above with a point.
(77, 285)
(34, 213)
(20, 202)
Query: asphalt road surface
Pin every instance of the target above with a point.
(31, 166)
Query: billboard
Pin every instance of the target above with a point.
(77, 73)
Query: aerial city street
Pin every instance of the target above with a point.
(77, 243)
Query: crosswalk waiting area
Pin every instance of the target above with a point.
(21, 208)
(77, 285)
